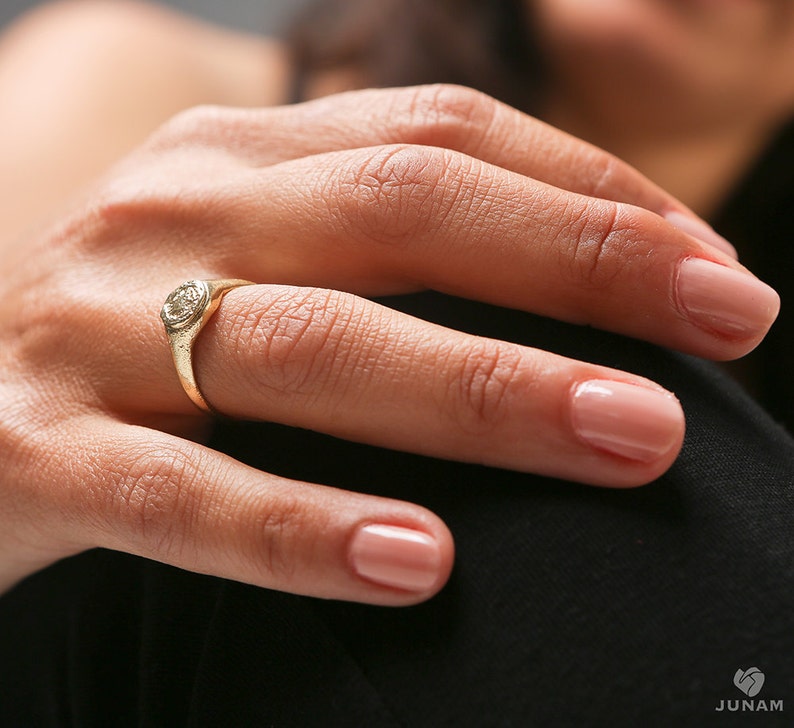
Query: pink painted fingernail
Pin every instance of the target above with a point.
(725, 300)
(395, 556)
(632, 421)
(702, 231)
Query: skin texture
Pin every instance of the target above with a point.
(321, 204)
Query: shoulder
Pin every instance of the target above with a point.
(146, 47)
(83, 82)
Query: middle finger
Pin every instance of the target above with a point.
(393, 219)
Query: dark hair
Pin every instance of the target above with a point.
(485, 44)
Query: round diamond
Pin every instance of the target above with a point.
(184, 304)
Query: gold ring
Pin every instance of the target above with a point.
(185, 312)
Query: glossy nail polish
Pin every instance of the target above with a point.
(628, 420)
(724, 300)
(395, 556)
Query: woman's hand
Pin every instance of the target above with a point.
(368, 193)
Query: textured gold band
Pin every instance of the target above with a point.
(185, 312)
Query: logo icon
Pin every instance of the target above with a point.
(749, 681)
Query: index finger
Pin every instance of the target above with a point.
(451, 117)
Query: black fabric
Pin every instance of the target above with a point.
(568, 605)
(758, 220)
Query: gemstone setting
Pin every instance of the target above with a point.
(185, 304)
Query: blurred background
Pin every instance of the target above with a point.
(260, 16)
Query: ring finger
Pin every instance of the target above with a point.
(343, 365)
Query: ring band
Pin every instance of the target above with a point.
(185, 312)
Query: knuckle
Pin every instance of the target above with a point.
(444, 115)
(232, 134)
(277, 542)
(120, 214)
(197, 125)
(48, 334)
(480, 386)
(138, 208)
(597, 245)
(395, 195)
(151, 496)
(607, 177)
(120, 209)
(290, 341)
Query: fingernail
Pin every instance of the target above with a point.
(397, 557)
(702, 231)
(625, 419)
(725, 300)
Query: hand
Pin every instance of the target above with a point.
(367, 193)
